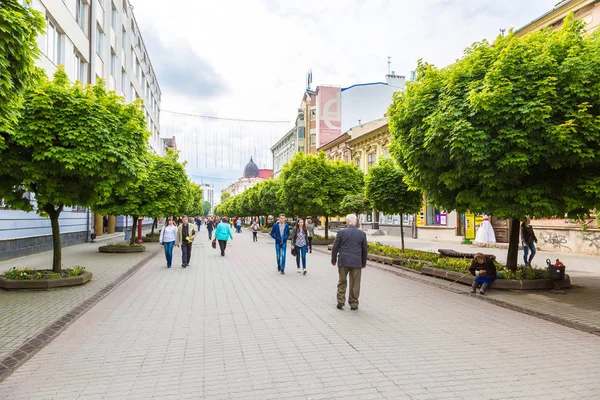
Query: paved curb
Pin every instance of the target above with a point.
(416, 276)
(32, 346)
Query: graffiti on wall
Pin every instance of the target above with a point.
(593, 238)
(555, 240)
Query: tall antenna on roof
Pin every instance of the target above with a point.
(389, 64)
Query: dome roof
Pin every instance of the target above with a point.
(251, 170)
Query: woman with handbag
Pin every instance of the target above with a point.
(222, 234)
(168, 234)
(299, 244)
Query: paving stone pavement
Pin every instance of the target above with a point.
(24, 314)
(578, 306)
(233, 328)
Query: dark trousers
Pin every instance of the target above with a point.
(354, 291)
(310, 243)
(255, 236)
(222, 246)
(210, 235)
(186, 252)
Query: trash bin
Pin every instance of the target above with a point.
(127, 235)
(556, 271)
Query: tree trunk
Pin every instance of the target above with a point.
(513, 246)
(402, 231)
(54, 213)
(326, 227)
(133, 231)
(153, 223)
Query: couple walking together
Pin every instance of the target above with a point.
(182, 235)
(301, 242)
(349, 253)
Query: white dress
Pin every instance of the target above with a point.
(485, 233)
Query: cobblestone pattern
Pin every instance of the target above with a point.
(24, 314)
(233, 328)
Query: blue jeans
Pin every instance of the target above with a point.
(526, 248)
(209, 235)
(280, 251)
(301, 253)
(169, 252)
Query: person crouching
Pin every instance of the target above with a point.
(484, 270)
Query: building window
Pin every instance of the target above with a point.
(81, 12)
(371, 159)
(313, 139)
(113, 17)
(80, 69)
(357, 162)
(138, 70)
(123, 39)
(313, 114)
(113, 63)
(53, 43)
(99, 40)
(123, 80)
(301, 132)
(433, 215)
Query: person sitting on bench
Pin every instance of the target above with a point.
(484, 270)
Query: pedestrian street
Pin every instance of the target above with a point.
(234, 328)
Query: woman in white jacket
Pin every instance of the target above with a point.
(168, 234)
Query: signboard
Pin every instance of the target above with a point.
(443, 219)
(478, 220)
(421, 216)
(470, 228)
(329, 114)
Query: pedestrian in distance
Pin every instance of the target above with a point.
(105, 224)
(186, 233)
(281, 233)
(210, 226)
(528, 240)
(238, 225)
(198, 223)
(484, 271)
(349, 251)
(299, 243)
(310, 227)
(168, 235)
(255, 228)
(222, 234)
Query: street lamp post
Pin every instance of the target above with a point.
(139, 238)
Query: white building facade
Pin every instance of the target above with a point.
(284, 150)
(208, 193)
(92, 39)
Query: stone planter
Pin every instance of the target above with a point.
(110, 249)
(15, 284)
(508, 284)
(151, 239)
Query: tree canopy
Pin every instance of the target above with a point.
(19, 29)
(72, 146)
(387, 192)
(511, 129)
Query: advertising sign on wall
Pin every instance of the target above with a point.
(470, 226)
(421, 216)
(443, 219)
(329, 114)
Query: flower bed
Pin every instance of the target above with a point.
(430, 263)
(27, 278)
(122, 248)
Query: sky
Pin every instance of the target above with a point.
(248, 59)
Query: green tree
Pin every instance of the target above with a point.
(269, 198)
(511, 129)
(355, 203)
(196, 201)
(387, 192)
(19, 28)
(206, 206)
(225, 196)
(72, 146)
(311, 185)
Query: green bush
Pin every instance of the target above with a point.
(123, 244)
(28, 274)
(414, 259)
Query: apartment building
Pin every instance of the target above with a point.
(101, 39)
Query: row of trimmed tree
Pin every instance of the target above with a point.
(64, 145)
(312, 185)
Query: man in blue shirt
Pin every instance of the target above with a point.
(280, 232)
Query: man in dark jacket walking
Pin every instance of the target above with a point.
(280, 232)
(350, 253)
